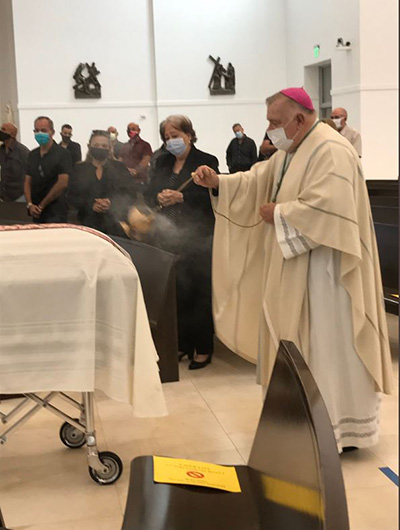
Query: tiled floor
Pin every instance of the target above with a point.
(213, 417)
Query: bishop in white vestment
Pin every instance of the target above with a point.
(295, 258)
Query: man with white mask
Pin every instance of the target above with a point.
(116, 145)
(295, 258)
(339, 116)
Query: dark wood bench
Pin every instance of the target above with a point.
(387, 238)
(385, 214)
(384, 200)
(156, 270)
(14, 211)
(383, 187)
(293, 479)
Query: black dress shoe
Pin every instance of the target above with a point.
(182, 355)
(196, 365)
(349, 448)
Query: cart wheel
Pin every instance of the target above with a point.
(72, 437)
(114, 467)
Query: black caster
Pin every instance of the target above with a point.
(71, 437)
(114, 469)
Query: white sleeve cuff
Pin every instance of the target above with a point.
(291, 241)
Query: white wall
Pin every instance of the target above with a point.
(364, 80)
(248, 33)
(379, 59)
(8, 80)
(312, 22)
(153, 57)
(53, 36)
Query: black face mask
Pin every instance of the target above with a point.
(4, 136)
(65, 139)
(99, 153)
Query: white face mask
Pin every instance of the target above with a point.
(279, 139)
(337, 122)
(113, 136)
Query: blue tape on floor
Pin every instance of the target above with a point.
(390, 474)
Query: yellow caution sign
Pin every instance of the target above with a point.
(195, 473)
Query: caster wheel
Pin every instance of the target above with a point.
(114, 469)
(71, 437)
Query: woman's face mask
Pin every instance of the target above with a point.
(99, 153)
(176, 146)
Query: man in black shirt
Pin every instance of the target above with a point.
(267, 149)
(13, 164)
(242, 151)
(73, 148)
(49, 167)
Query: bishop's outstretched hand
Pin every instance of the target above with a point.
(205, 176)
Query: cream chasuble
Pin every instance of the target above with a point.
(260, 295)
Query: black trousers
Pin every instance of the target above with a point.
(195, 320)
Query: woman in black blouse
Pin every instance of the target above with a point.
(101, 189)
(187, 231)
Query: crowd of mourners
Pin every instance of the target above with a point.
(127, 190)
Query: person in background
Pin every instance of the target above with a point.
(101, 188)
(116, 145)
(73, 148)
(13, 164)
(49, 167)
(189, 222)
(267, 149)
(329, 122)
(135, 154)
(241, 153)
(339, 117)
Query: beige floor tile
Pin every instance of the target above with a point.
(94, 523)
(240, 419)
(373, 508)
(393, 463)
(361, 470)
(389, 416)
(387, 448)
(51, 488)
(200, 427)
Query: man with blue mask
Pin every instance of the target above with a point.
(295, 258)
(49, 167)
(241, 153)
